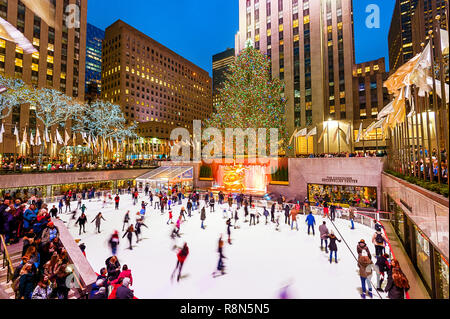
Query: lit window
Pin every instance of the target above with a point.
(49, 72)
(35, 67)
(50, 59)
(376, 67)
(281, 28)
(19, 62)
(367, 69)
(306, 20)
(359, 71)
(269, 32)
(295, 23)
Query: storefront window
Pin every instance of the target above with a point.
(356, 196)
(423, 255)
(441, 275)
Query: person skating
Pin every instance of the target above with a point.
(323, 230)
(397, 285)
(252, 215)
(74, 214)
(272, 213)
(183, 213)
(286, 214)
(67, 204)
(126, 220)
(245, 212)
(382, 267)
(293, 216)
(220, 264)
(229, 230)
(351, 212)
(170, 218)
(98, 221)
(83, 208)
(178, 226)
(333, 246)
(212, 204)
(189, 207)
(333, 212)
(362, 246)
(139, 224)
(266, 215)
(203, 217)
(379, 241)
(54, 212)
(60, 206)
(366, 269)
(236, 218)
(81, 221)
(311, 221)
(116, 201)
(114, 242)
(181, 258)
(129, 233)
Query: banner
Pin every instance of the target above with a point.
(2, 130)
(325, 129)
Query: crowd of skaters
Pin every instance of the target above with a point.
(165, 201)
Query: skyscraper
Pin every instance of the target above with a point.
(310, 43)
(400, 33)
(221, 62)
(155, 87)
(59, 64)
(94, 40)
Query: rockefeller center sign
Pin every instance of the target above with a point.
(340, 180)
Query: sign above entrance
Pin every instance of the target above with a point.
(334, 179)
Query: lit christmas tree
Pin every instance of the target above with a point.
(250, 98)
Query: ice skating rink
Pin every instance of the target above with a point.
(260, 261)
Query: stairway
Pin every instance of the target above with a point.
(15, 254)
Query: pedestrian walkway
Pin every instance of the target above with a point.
(418, 290)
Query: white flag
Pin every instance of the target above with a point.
(25, 136)
(31, 139)
(312, 132)
(2, 130)
(59, 138)
(325, 129)
(47, 138)
(302, 132)
(349, 133)
(359, 133)
(66, 137)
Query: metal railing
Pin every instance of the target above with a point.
(6, 260)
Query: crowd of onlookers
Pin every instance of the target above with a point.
(31, 165)
(347, 154)
(44, 269)
(44, 266)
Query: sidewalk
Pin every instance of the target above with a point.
(418, 290)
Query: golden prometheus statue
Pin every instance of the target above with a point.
(234, 177)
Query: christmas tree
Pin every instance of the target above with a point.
(250, 97)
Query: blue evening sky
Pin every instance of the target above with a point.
(198, 29)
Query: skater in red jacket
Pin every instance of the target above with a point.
(181, 256)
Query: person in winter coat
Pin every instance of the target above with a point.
(229, 230)
(203, 217)
(352, 216)
(81, 221)
(116, 201)
(114, 242)
(323, 230)
(54, 212)
(126, 220)
(272, 213)
(113, 268)
(189, 207)
(98, 221)
(29, 217)
(212, 204)
(266, 215)
(366, 268)
(293, 217)
(381, 266)
(170, 218)
(60, 206)
(362, 246)
(123, 292)
(42, 290)
(286, 214)
(379, 240)
(311, 221)
(100, 294)
(126, 273)
(26, 282)
(129, 234)
(333, 246)
(181, 258)
(139, 224)
(49, 233)
(220, 265)
(397, 284)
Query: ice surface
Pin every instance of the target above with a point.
(260, 261)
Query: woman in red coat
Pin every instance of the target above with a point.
(181, 256)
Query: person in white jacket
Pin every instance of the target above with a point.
(42, 290)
